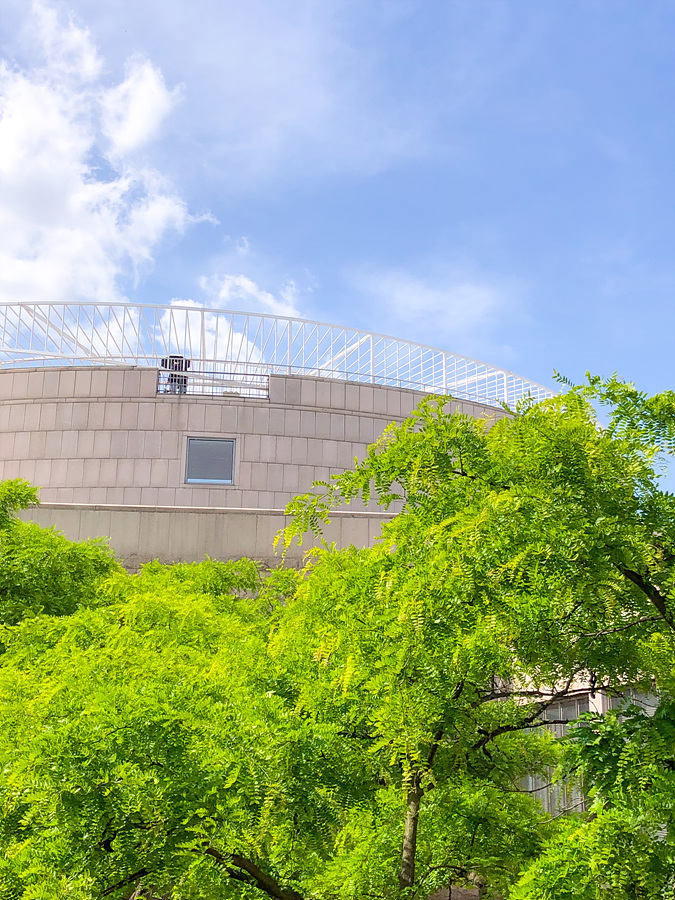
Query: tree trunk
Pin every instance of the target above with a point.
(407, 875)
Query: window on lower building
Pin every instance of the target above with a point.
(209, 461)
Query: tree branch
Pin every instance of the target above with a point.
(651, 592)
(251, 874)
(625, 627)
(528, 722)
(129, 880)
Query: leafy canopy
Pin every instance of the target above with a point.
(363, 728)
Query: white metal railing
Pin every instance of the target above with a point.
(211, 380)
(225, 346)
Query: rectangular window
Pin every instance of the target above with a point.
(209, 461)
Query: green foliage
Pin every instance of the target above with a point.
(649, 420)
(626, 848)
(15, 494)
(40, 570)
(362, 728)
(145, 740)
(43, 572)
(385, 656)
(531, 555)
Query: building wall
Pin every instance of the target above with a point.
(103, 446)
(170, 534)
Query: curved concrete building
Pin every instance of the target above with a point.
(179, 431)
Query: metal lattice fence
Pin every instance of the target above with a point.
(235, 352)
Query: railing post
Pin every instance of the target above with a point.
(289, 327)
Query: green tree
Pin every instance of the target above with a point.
(360, 728)
(532, 557)
(40, 570)
(623, 848)
(15, 494)
(146, 748)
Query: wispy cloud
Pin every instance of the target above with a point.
(241, 292)
(78, 211)
(134, 110)
(278, 90)
(294, 95)
(243, 277)
(307, 90)
(438, 304)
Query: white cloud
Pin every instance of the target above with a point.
(67, 48)
(307, 89)
(241, 292)
(274, 89)
(458, 300)
(75, 215)
(280, 90)
(440, 305)
(134, 110)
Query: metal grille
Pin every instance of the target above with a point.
(234, 351)
(213, 382)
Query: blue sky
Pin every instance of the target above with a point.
(495, 178)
